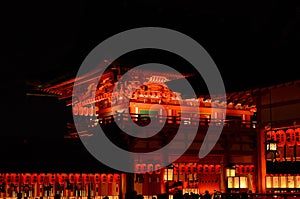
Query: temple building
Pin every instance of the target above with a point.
(257, 151)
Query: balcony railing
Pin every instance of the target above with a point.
(143, 119)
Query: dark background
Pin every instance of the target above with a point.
(253, 43)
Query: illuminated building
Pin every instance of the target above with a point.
(237, 162)
(279, 117)
(236, 146)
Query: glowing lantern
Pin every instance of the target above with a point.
(26, 178)
(271, 135)
(200, 168)
(34, 178)
(176, 170)
(85, 111)
(75, 110)
(62, 178)
(86, 178)
(103, 178)
(206, 169)
(237, 169)
(138, 168)
(290, 137)
(188, 169)
(247, 169)
(281, 138)
(117, 178)
(13, 175)
(157, 168)
(80, 110)
(297, 136)
(242, 169)
(97, 178)
(71, 178)
(143, 168)
(194, 168)
(8, 178)
(91, 111)
(16, 178)
(182, 169)
(78, 178)
(150, 168)
(41, 178)
(212, 169)
(218, 169)
(52, 178)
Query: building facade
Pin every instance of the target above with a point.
(239, 160)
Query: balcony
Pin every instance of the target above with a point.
(144, 119)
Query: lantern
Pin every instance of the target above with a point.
(176, 170)
(297, 136)
(97, 178)
(117, 178)
(62, 178)
(237, 169)
(188, 169)
(247, 169)
(26, 178)
(86, 178)
(52, 178)
(71, 178)
(78, 178)
(75, 110)
(91, 111)
(194, 168)
(143, 168)
(242, 169)
(85, 111)
(103, 178)
(271, 135)
(13, 177)
(157, 168)
(281, 138)
(16, 178)
(206, 169)
(200, 168)
(41, 178)
(138, 168)
(182, 169)
(80, 110)
(290, 137)
(150, 168)
(34, 178)
(8, 178)
(212, 169)
(218, 169)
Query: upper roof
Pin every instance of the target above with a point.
(63, 88)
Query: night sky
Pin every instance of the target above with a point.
(253, 43)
